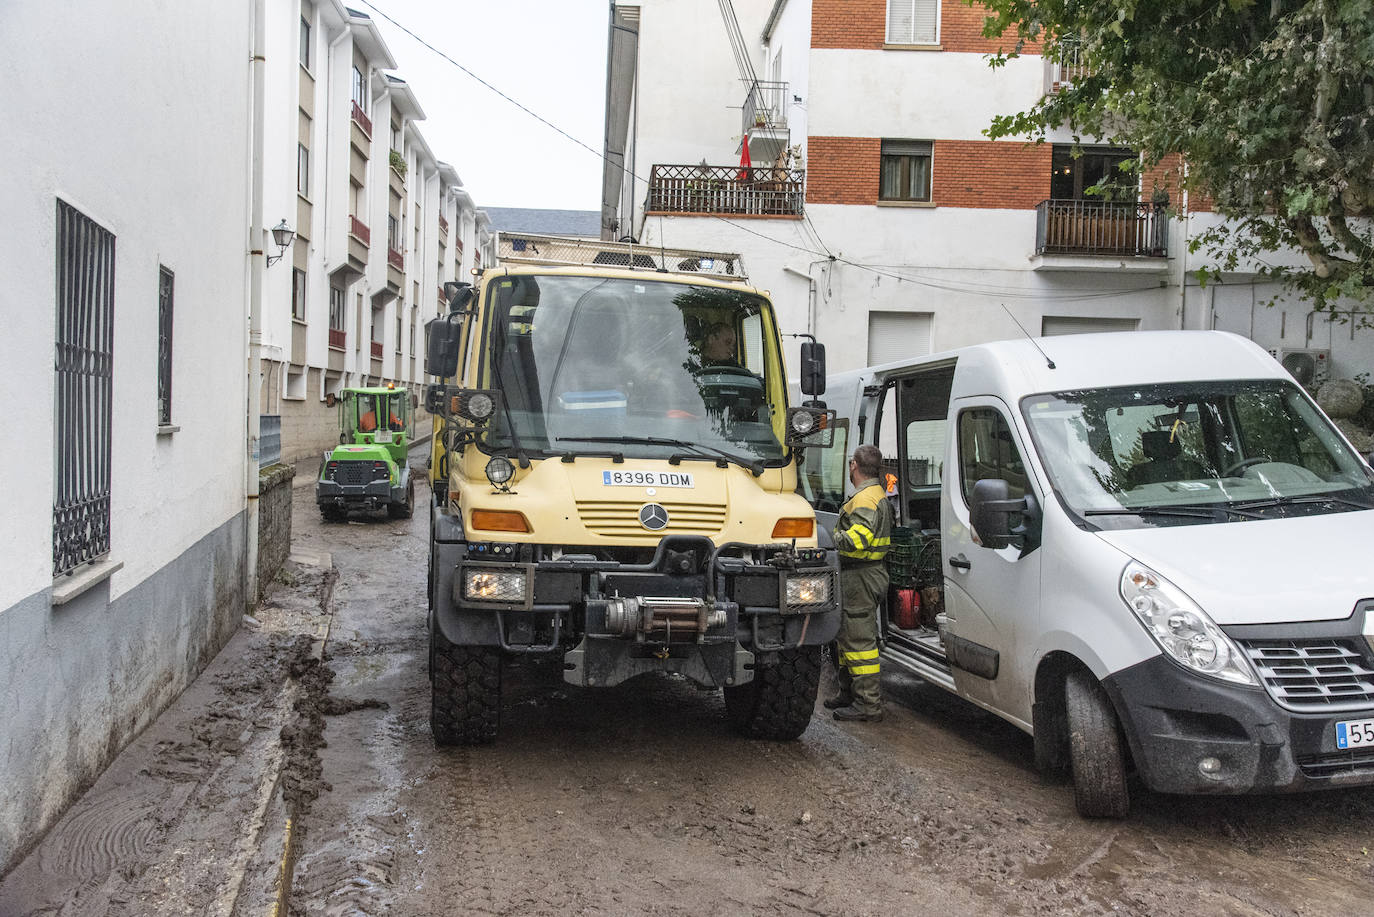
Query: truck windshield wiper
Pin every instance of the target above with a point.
(1188, 512)
(755, 467)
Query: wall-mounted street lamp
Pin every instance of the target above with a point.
(282, 235)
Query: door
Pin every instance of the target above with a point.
(992, 597)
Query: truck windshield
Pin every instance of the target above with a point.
(1189, 453)
(629, 359)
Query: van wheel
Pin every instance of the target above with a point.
(779, 701)
(465, 692)
(1095, 751)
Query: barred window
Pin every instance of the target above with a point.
(84, 368)
(298, 294)
(913, 22)
(164, 346)
(905, 174)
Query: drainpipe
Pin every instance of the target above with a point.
(256, 237)
(1183, 256)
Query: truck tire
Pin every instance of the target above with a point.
(465, 692)
(403, 510)
(1095, 750)
(779, 701)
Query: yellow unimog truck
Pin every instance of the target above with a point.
(613, 474)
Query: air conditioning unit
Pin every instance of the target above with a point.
(1309, 366)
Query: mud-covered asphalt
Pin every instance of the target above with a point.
(298, 776)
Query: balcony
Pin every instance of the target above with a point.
(337, 338)
(1080, 234)
(376, 350)
(443, 300)
(359, 231)
(726, 190)
(395, 259)
(443, 224)
(764, 120)
(1065, 68)
(361, 119)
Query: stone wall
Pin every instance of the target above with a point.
(274, 521)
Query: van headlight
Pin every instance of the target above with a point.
(1181, 628)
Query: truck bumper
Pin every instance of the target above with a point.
(1191, 734)
(692, 610)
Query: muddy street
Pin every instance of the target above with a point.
(298, 776)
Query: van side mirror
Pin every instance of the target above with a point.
(990, 511)
(812, 368)
(442, 339)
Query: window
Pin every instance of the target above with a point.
(298, 294)
(1070, 177)
(398, 328)
(303, 169)
(84, 370)
(987, 450)
(305, 43)
(359, 89)
(896, 336)
(164, 346)
(913, 22)
(336, 309)
(905, 173)
(393, 232)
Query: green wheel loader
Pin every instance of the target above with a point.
(368, 469)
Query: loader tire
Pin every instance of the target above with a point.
(403, 510)
(779, 701)
(465, 692)
(1095, 749)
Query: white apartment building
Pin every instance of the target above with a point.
(380, 223)
(127, 247)
(896, 227)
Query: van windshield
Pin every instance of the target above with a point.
(1189, 453)
(589, 364)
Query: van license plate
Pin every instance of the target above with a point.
(1355, 734)
(646, 478)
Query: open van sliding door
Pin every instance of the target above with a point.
(992, 597)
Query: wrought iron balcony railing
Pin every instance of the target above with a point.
(1066, 66)
(765, 105)
(726, 189)
(1074, 227)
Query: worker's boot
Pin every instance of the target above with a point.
(855, 715)
(843, 699)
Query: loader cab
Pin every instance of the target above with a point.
(376, 416)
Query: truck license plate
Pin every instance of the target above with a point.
(1355, 734)
(646, 478)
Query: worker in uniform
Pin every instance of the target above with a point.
(863, 534)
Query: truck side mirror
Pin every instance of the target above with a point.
(990, 511)
(812, 368)
(458, 295)
(442, 339)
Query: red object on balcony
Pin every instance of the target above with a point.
(362, 120)
(357, 228)
(377, 349)
(443, 223)
(337, 339)
(395, 259)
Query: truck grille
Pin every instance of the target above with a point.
(353, 473)
(620, 519)
(1334, 764)
(1310, 675)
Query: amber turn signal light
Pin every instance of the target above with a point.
(794, 528)
(499, 520)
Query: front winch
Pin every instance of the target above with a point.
(663, 617)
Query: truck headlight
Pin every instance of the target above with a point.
(808, 590)
(1181, 628)
(487, 585)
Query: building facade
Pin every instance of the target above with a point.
(380, 223)
(874, 208)
(125, 527)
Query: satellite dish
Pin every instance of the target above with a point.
(1302, 367)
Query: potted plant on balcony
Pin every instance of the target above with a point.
(398, 163)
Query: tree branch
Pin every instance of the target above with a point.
(1310, 241)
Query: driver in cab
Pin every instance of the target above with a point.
(718, 347)
(367, 423)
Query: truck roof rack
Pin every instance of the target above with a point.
(534, 248)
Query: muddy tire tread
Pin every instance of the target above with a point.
(1095, 749)
(777, 704)
(465, 693)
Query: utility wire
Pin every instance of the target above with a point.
(826, 254)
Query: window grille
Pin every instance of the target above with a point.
(164, 346)
(84, 368)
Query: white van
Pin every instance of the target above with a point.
(1151, 551)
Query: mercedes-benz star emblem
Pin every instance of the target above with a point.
(653, 517)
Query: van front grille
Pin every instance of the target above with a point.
(1313, 675)
(620, 519)
(1336, 764)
